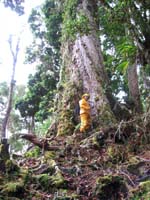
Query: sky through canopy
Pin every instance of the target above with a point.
(12, 24)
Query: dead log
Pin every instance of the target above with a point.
(40, 142)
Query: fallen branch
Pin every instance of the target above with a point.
(42, 143)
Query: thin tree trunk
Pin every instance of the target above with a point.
(8, 110)
(134, 87)
(32, 125)
(83, 72)
(11, 88)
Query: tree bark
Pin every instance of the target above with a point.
(83, 72)
(134, 87)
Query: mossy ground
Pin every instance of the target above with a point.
(83, 169)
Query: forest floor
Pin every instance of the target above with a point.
(102, 165)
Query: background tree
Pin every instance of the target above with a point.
(38, 101)
(14, 54)
(124, 26)
(15, 123)
(3, 100)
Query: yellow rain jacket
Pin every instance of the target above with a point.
(84, 114)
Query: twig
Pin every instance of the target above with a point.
(123, 173)
(43, 195)
(118, 130)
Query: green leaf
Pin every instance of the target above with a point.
(122, 67)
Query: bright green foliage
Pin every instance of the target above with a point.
(126, 51)
(58, 180)
(47, 182)
(43, 180)
(72, 27)
(53, 19)
(124, 29)
(45, 25)
(73, 22)
(33, 153)
(35, 21)
(39, 97)
(114, 38)
(143, 192)
(12, 187)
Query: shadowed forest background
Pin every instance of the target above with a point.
(99, 47)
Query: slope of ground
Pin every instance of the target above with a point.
(110, 164)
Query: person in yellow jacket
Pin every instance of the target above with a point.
(85, 116)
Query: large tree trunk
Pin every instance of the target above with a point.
(134, 87)
(83, 72)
